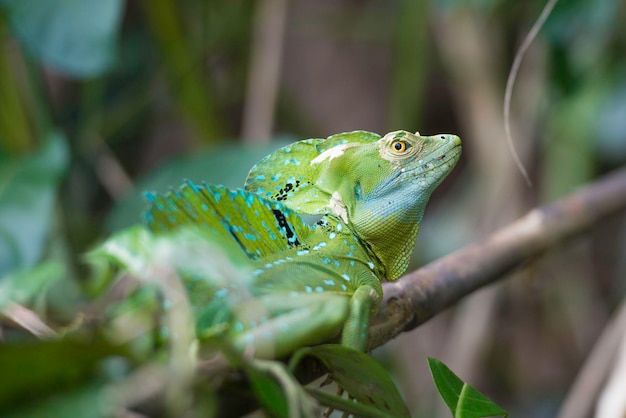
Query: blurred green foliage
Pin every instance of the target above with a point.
(101, 100)
(77, 37)
(28, 188)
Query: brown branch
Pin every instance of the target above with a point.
(421, 294)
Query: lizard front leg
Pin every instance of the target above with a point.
(356, 328)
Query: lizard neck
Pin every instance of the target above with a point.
(390, 227)
(393, 248)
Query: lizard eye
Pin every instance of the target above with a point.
(399, 147)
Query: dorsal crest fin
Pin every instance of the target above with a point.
(290, 174)
(260, 227)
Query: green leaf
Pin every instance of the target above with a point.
(269, 392)
(361, 376)
(484, 6)
(25, 286)
(278, 391)
(27, 191)
(89, 401)
(611, 124)
(77, 37)
(463, 400)
(35, 369)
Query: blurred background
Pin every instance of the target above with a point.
(101, 100)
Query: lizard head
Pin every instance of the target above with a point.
(418, 162)
(377, 186)
(390, 197)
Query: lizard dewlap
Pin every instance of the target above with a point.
(309, 283)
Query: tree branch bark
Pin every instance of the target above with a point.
(422, 294)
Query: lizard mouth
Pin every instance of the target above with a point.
(447, 153)
(432, 168)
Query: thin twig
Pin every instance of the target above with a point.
(110, 171)
(611, 401)
(583, 393)
(30, 321)
(517, 62)
(420, 295)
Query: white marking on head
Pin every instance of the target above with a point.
(338, 207)
(334, 152)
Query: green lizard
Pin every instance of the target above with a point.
(310, 283)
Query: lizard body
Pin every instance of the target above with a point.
(308, 283)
